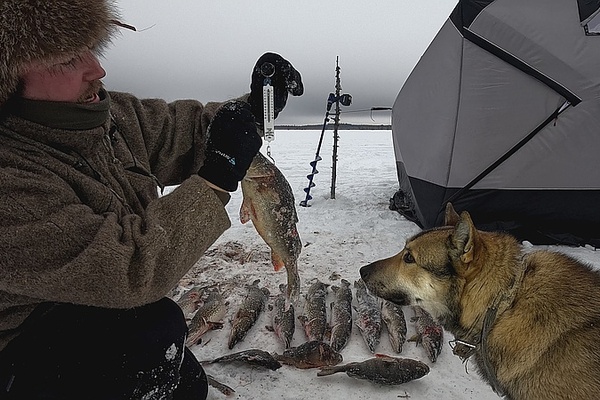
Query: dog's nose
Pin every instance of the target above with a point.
(365, 272)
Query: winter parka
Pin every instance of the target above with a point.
(81, 219)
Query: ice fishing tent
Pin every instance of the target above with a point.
(501, 116)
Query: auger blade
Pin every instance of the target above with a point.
(314, 163)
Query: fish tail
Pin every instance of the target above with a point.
(192, 340)
(287, 343)
(293, 287)
(328, 371)
(281, 358)
(234, 338)
(289, 304)
(226, 390)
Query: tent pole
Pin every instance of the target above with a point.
(505, 156)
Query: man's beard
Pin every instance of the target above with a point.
(91, 92)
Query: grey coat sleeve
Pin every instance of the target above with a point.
(66, 239)
(171, 135)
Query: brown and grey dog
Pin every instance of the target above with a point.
(531, 320)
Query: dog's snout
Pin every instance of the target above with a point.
(365, 272)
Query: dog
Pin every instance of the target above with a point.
(529, 319)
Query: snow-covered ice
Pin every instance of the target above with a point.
(339, 236)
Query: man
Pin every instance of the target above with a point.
(88, 250)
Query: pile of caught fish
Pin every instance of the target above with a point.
(325, 336)
(371, 314)
(268, 202)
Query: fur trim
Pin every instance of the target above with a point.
(49, 31)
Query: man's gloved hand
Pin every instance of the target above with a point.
(285, 79)
(232, 144)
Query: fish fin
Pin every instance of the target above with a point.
(215, 325)
(359, 326)
(245, 211)
(322, 349)
(415, 338)
(254, 283)
(277, 261)
(226, 390)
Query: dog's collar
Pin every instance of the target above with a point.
(476, 340)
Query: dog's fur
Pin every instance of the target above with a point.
(545, 345)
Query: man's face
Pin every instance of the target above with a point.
(76, 81)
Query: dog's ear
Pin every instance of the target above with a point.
(463, 239)
(451, 217)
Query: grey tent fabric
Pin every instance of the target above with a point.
(501, 116)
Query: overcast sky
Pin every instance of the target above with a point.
(205, 49)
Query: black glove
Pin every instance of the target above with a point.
(285, 79)
(232, 144)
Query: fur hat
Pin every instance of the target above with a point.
(49, 31)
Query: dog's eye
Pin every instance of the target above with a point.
(408, 258)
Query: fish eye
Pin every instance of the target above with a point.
(408, 258)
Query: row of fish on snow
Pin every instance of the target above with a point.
(326, 337)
